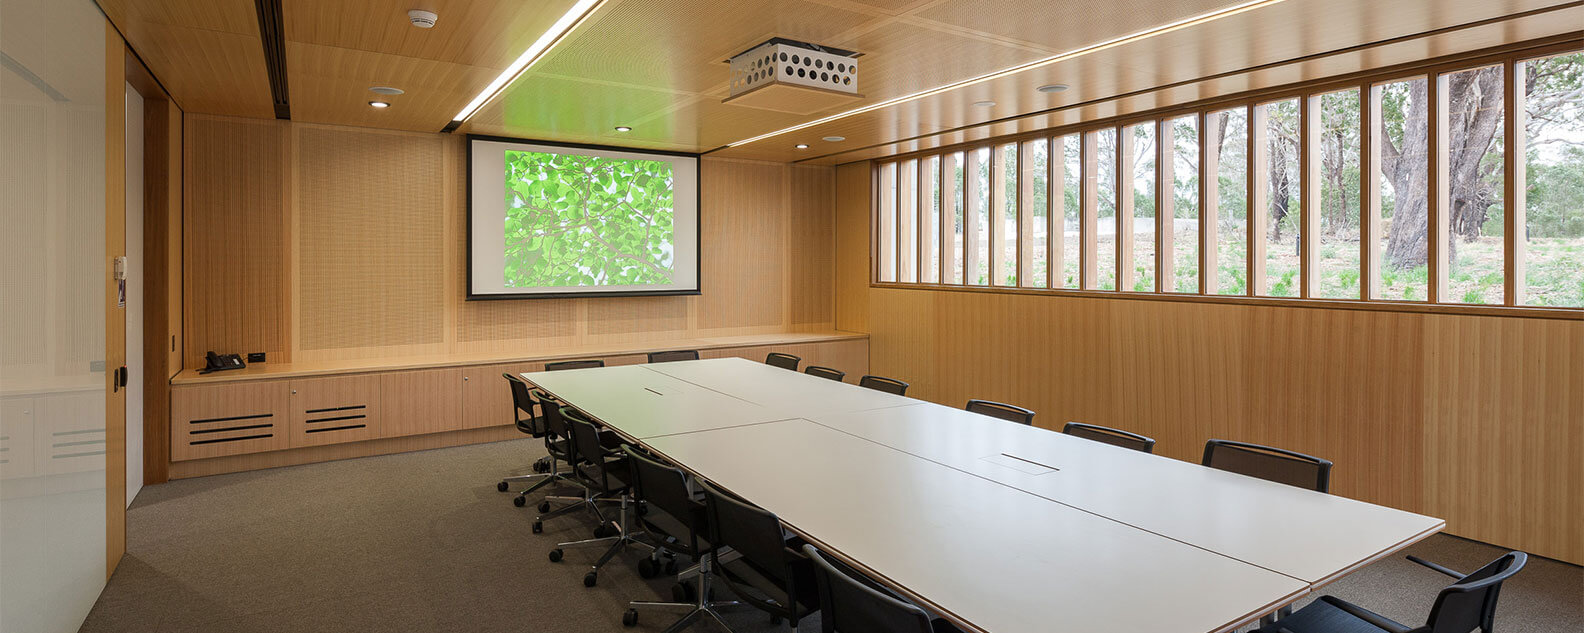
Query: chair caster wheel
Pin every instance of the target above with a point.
(671, 567)
(683, 592)
(590, 579)
(544, 506)
(501, 486)
(630, 618)
(542, 466)
(520, 501)
(605, 530)
(555, 555)
(648, 568)
(538, 527)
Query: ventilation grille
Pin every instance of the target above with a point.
(774, 62)
(329, 419)
(239, 428)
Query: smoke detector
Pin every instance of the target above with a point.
(422, 19)
(790, 76)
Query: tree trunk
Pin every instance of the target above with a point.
(1408, 170)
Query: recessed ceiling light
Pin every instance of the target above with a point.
(835, 139)
(623, 128)
(802, 146)
(378, 105)
(557, 32)
(1077, 52)
(386, 90)
(984, 104)
(1052, 88)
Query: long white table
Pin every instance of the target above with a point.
(1308, 535)
(1000, 527)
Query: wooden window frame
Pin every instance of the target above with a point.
(1434, 72)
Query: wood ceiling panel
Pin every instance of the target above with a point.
(489, 33)
(1060, 27)
(682, 46)
(1181, 57)
(207, 53)
(554, 108)
(902, 58)
(330, 85)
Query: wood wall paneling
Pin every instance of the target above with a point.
(418, 402)
(236, 192)
(852, 247)
(743, 209)
(162, 229)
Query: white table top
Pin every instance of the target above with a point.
(1308, 535)
(643, 404)
(984, 553)
(796, 393)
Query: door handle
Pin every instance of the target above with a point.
(120, 379)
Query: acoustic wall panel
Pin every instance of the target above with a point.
(370, 232)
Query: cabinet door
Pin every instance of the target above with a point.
(334, 410)
(229, 419)
(487, 399)
(16, 438)
(421, 401)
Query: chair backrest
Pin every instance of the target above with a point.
(1114, 437)
(748, 529)
(1269, 463)
(784, 361)
(1004, 411)
(1470, 602)
(574, 364)
(523, 402)
(673, 355)
(881, 383)
(554, 423)
(850, 603)
(661, 485)
(825, 372)
(585, 436)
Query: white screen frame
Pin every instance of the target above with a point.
(485, 226)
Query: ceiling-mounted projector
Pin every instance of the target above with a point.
(790, 76)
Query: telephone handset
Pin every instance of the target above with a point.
(222, 362)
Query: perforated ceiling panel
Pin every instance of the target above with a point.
(366, 253)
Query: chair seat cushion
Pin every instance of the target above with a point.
(1322, 616)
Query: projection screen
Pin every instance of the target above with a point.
(553, 220)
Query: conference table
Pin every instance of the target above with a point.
(996, 526)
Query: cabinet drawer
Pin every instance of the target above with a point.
(228, 419)
(486, 398)
(334, 410)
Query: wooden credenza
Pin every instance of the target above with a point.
(271, 415)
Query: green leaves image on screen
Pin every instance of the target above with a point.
(587, 221)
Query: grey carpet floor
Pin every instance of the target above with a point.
(423, 542)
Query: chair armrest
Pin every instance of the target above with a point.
(1375, 619)
(1444, 570)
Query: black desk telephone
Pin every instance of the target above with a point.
(222, 362)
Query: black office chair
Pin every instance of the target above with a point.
(852, 603)
(881, 383)
(528, 400)
(1006, 412)
(564, 451)
(664, 491)
(1461, 607)
(825, 372)
(772, 575)
(673, 355)
(606, 472)
(574, 364)
(1268, 463)
(1114, 437)
(784, 361)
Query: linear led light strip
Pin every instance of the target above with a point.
(573, 17)
(1077, 52)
